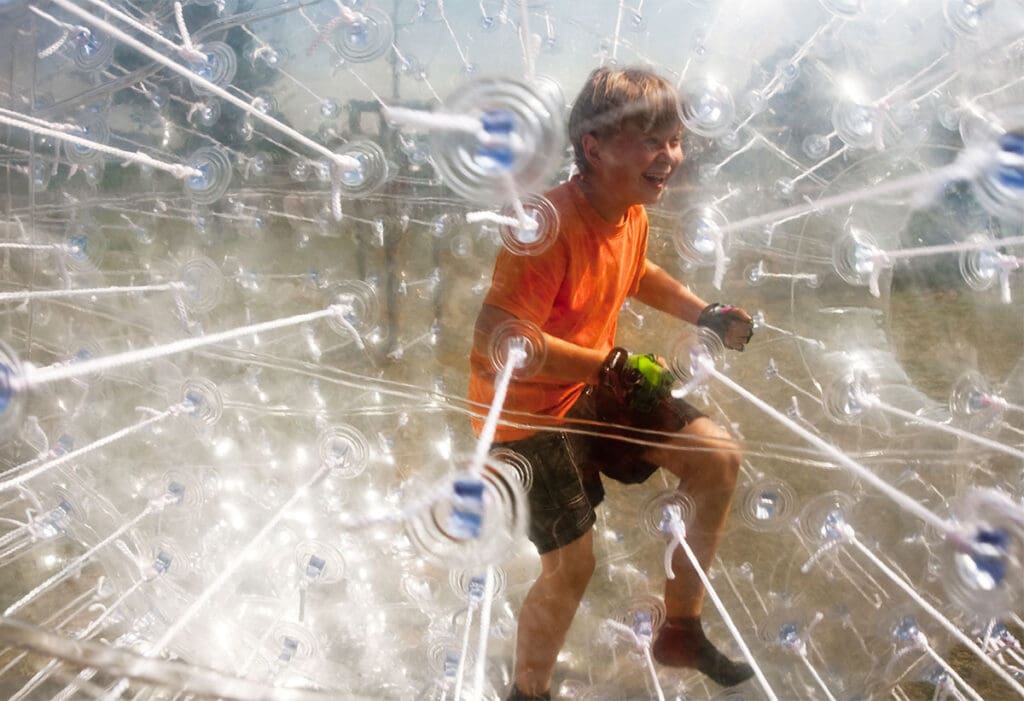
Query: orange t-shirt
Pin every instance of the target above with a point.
(573, 291)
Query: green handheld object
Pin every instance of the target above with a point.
(657, 378)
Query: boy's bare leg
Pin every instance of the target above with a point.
(548, 611)
(706, 460)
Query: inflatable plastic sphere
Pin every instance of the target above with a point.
(243, 246)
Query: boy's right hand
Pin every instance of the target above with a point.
(732, 324)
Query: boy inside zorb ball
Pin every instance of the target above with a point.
(626, 135)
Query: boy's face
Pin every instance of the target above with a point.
(636, 165)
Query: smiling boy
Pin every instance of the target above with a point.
(626, 136)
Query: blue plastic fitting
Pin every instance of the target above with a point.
(466, 517)
(1012, 175)
(498, 123)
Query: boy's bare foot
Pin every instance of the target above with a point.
(681, 643)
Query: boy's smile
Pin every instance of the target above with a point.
(630, 167)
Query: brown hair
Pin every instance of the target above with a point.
(614, 97)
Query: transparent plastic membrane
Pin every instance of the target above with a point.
(242, 249)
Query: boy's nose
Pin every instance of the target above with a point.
(670, 153)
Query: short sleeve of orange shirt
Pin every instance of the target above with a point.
(573, 291)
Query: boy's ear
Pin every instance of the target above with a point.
(592, 149)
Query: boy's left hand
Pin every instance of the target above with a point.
(732, 324)
(635, 382)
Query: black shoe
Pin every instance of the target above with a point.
(516, 695)
(681, 643)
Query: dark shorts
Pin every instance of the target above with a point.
(567, 466)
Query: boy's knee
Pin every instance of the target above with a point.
(720, 468)
(729, 466)
(725, 458)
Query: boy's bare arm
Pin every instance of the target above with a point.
(660, 290)
(563, 361)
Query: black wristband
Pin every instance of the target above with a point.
(615, 361)
(707, 313)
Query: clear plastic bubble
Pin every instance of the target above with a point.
(182, 487)
(846, 397)
(416, 149)
(756, 100)
(974, 404)
(767, 505)
(474, 522)
(168, 561)
(707, 172)
(964, 16)
(264, 103)
(300, 169)
(461, 246)
(656, 512)
(730, 140)
(291, 643)
(12, 398)
(698, 233)
(204, 399)
(696, 345)
(982, 571)
(845, 9)
(540, 230)
(754, 273)
(518, 463)
(856, 124)
(86, 349)
(214, 178)
(92, 51)
(369, 175)
(469, 584)
(362, 308)
(938, 85)
(644, 615)
(218, 67)
(784, 187)
(707, 108)
(84, 246)
(94, 128)
(344, 449)
(257, 166)
(208, 112)
(855, 256)
(204, 284)
(550, 90)
(520, 335)
(517, 148)
(318, 562)
(824, 517)
(816, 146)
(785, 631)
(39, 173)
(981, 267)
(330, 108)
(260, 55)
(1000, 186)
(367, 38)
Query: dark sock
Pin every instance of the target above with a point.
(681, 643)
(517, 695)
